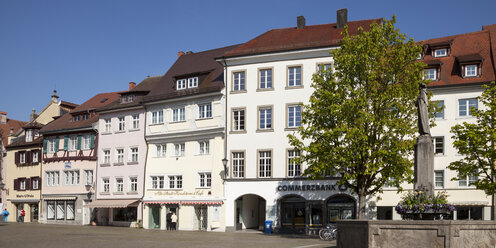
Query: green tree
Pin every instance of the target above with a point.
(476, 142)
(361, 119)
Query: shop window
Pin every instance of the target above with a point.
(125, 214)
(50, 210)
(60, 210)
(384, 213)
(70, 210)
(316, 215)
(469, 213)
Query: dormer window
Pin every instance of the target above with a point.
(76, 118)
(29, 135)
(130, 98)
(471, 71)
(181, 84)
(193, 82)
(84, 117)
(430, 74)
(442, 52)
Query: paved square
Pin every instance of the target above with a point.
(53, 236)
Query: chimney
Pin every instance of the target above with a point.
(3, 117)
(55, 98)
(342, 18)
(33, 115)
(132, 85)
(300, 22)
(180, 53)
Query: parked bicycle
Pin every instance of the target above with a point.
(330, 232)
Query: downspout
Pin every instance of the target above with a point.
(144, 168)
(225, 119)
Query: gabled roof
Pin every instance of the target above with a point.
(287, 39)
(201, 64)
(21, 142)
(66, 122)
(5, 128)
(474, 47)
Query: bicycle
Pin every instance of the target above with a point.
(329, 232)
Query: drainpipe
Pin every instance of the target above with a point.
(144, 168)
(225, 161)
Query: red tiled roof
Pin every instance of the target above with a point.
(5, 128)
(286, 39)
(68, 104)
(66, 123)
(469, 47)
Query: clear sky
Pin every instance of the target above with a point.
(81, 48)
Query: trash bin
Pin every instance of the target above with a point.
(268, 227)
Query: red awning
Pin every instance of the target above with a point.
(162, 202)
(201, 202)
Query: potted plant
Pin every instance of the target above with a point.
(417, 205)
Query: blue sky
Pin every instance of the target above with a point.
(81, 48)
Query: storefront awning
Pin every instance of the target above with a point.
(470, 203)
(162, 202)
(201, 202)
(60, 198)
(121, 203)
(23, 200)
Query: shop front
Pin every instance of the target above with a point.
(115, 212)
(294, 206)
(65, 209)
(30, 207)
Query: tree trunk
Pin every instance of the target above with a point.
(361, 206)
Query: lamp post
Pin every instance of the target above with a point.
(224, 162)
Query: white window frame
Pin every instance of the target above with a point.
(441, 52)
(178, 114)
(29, 135)
(133, 154)
(161, 150)
(179, 149)
(204, 180)
(467, 106)
(119, 156)
(52, 178)
(157, 182)
(265, 80)
(36, 183)
(106, 185)
(473, 69)
(35, 156)
(193, 82)
(108, 125)
(158, 117)
(119, 185)
(238, 164)
(85, 142)
(205, 110)
(465, 182)
(71, 177)
(293, 76)
(88, 177)
(436, 173)
(203, 147)
(51, 145)
(72, 143)
(293, 117)
(239, 81)
(22, 157)
(294, 169)
(135, 122)
(181, 84)
(22, 184)
(265, 164)
(430, 74)
(121, 124)
(263, 118)
(239, 121)
(175, 181)
(438, 102)
(106, 156)
(439, 140)
(133, 184)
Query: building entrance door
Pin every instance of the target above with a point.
(201, 217)
(34, 212)
(293, 213)
(340, 208)
(154, 217)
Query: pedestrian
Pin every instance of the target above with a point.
(22, 215)
(174, 220)
(5, 214)
(19, 215)
(169, 220)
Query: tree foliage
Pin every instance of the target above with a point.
(361, 119)
(476, 142)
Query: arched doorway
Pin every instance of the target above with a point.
(293, 213)
(250, 212)
(341, 207)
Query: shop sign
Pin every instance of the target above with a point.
(67, 165)
(24, 196)
(198, 192)
(313, 187)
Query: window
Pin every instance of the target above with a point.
(465, 107)
(22, 157)
(36, 183)
(430, 74)
(157, 182)
(181, 84)
(22, 184)
(71, 177)
(35, 156)
(157, 117)
(323, 67)
(264, 163)
(72, 143)
(122, 124)
(239, 81)
(175, 182)
(439, 178)
(84, 117)
(106, 156)
(294, 76)
(50, 210)
(438, 145)
(204, 147)
(265, 118)
(106, 185)
(69, 209)
(193, 82)
(135, 121)
(52, 178)
(76, 118)
(294, 116)
(108, 125)
(441, 52)
(119, 155)
(133, 184)
(238, 164)
(161, 150)
(179, 150)
(88, 177)
(294, 168)
(238, 120)
(440, 113)
(51, 145)
(60, 210)
(205, 111)
(469, 213)
(471, 71)
(29, 135)
(134, 154)
(178, 114)
(467, 181)
(205, 179)
(265, 79)
(86, 142)
(119, 185)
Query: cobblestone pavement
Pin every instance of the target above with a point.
(44, 235)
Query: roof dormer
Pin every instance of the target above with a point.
(470, 65)
(440, 49)
(187, 83)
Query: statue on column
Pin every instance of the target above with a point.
(423, 111)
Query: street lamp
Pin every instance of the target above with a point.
(224, 162)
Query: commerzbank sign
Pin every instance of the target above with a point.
(312, 187)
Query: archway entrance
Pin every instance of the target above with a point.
(293, 213)
(341, 207)
(250, 212)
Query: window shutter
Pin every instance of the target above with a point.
(17, 157)
(79, 137)
(92, 141)
(16, 184)
(28, 183)
(66, 143)
(29, 157)
(39, 155)
(57, 143)
(45, 143)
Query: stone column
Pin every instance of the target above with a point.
(163, 217)
(424, 164)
